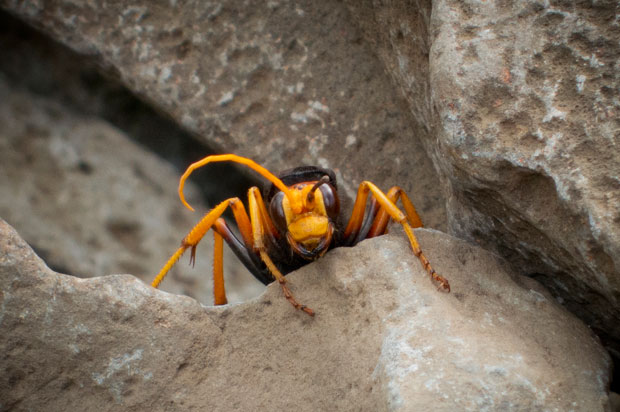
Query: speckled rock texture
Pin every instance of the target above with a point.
(521, 100)
(504, 112)
(283, 83)
(514, 102)
(383, 339)
(530, 117)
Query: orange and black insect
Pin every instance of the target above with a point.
(295, 221)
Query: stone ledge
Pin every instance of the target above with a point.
(383, 339)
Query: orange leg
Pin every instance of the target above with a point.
(263, 215)
(389, 208)
(382, 218)
(260, 220)
(193, 238)
(252, 229)
(219, 291)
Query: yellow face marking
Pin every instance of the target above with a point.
(312, 223)
(308, 226)
(299, 195)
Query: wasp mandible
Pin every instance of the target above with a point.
(293, 222)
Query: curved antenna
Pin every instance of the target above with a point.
(323, 179)
(244, 161)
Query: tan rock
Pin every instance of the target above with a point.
(530, 129)
(520, 100)
(383, 339)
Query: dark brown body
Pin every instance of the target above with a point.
(293, 222)
(280, 250)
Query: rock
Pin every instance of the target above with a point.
(522, 102)
(282, 83)
(514, 104)
(531, 125)
(93, 202)
(383, 339)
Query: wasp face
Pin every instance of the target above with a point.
(309, 232)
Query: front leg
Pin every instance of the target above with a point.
(260, 220)
(193, 238)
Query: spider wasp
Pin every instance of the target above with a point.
(293, 222)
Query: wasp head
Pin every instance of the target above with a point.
(307, 215)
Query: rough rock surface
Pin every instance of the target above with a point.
(383, 339)
(92, 202)
(521, 99)
(282, 83)
(530, 117)
(514, 103)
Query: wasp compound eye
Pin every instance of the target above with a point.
(276, 211)
(330, 200)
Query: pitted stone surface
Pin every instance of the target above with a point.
(520, 100)
(383, 339)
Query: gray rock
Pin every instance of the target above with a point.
(514, 103)
(383, 339)
(93, 202)
(521, 101)
(530, 124)
(282, 83)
